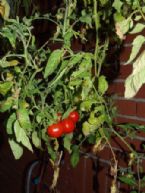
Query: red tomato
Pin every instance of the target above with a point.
(68, 125)
(55, 130)
(74, 115)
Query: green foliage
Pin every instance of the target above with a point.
(37, 83)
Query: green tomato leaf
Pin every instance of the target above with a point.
(67, 142)
(137, 43)
(137, 78)
(86, 128)
(10, 123)
(127, 180)
(117, 4)
(102, 85)
(23, 118)
(10, 36)
(53, 62)
(36, 140)
(122, 27)
(21, 136)
(75, 156)
(138, 28)
(143, 9)
(87, 104)
(137, 18)
(6, 105)
(86, 87)
(5, 87)
(52, 153)
(16, 149)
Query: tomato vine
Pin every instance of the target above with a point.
(39, 84)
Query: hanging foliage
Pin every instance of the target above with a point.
(57, 97)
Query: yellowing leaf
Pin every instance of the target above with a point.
(137, 43)
(102, 85)
(5, 105)
(138, 28)
(5, 87)
(13, 62)
(137, 78)
(122, 27)
(6, 9)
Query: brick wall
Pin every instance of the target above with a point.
(132, 110)
(128, 111)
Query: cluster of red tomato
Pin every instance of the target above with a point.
(64, 126)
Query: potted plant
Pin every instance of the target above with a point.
(56, 99)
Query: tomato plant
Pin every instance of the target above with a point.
(37, 82)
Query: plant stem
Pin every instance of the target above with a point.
(65, 19)
(129, 147)
(138, 175)
(97, 39)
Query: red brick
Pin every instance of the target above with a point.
(141, 92)
(118, 143)
(105, 153)
(125, 71)
(127, 120)
(126, 51)
(131, 37)
(76, 46)
(126, 107)
(141, 109)
(116, 88)
(124, 55)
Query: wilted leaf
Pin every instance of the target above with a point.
(16, 149)
(21, 135)
(6, 9)
(53, 62)
(137, 78)
(123, 27)
(137, 43)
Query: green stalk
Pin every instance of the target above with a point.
(128, 146)
(65, 19)
(97, 38)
